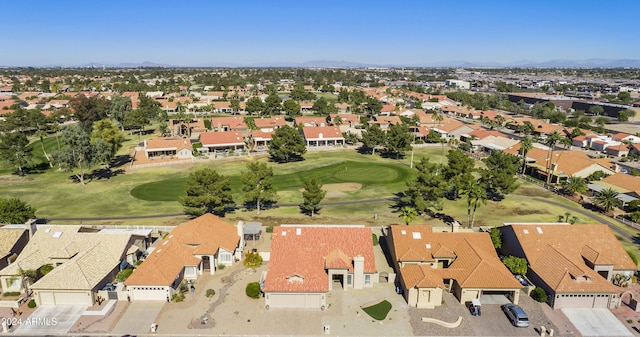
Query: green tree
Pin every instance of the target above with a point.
(434, 137)
(398, 139)
(235, 105)
(207, 192)
(596, 110)
(312, 195)
(607, 199)
(408, 214)
(539, 295)
(252, 260)
(150, 108)
(257, 185)
(89, 110)
(287, 144)
(374, 106)
(320, 106)
(272, 104)
(496, 237)
(458, 171)
(291, 108)
(15, 149)
(575, 185)
(109, 133)
(135, 119)
(78, 154)
(373, 137)
(15, 211)
(517, 265)
(254, 104)
(499, 176)
(624, 115)
(526, 144)
(426, 190)
(298, 92)
(476, 194)
(120, 105)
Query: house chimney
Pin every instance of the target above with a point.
(616, 168)
(31, 227)
(455, 226)
(358, 272)
(240, 231)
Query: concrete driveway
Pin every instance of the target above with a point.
(50, 320)
(596, 322)
(138, 317)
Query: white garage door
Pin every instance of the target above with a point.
(73, 298)
(149, 294)
(47, 298)
(575, 301)
(295, 301)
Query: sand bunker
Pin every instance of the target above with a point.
(342, 187)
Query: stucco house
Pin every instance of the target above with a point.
(574, 264)
(462, 263)
(189, 250)
(83, 261)
(160, 147)
(307, 262)
(323, 136)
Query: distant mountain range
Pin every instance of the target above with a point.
(589, 63)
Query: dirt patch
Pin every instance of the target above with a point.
(342, 187)
(534, 192)
(527, 211)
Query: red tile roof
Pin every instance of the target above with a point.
(271, 122)
(221, 138)
(306, 256)
(204, 235)
(322, 132)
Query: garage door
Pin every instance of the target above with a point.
(47, 298)
(295, 301)
(73, 298)
(575, 301)
(149, 294)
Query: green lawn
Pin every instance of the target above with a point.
(378, 311)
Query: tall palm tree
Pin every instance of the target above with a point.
(575, 185)
(500, 120)
(551, 141)
(476, 195)
(526, 144)
(607, 199)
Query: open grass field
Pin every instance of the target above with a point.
(349, 177)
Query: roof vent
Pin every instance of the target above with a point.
(164, 243)
(416, 235)
(298, 231)
(47, 230)
(403, 232)
(428, 245)
(539, 230)
(284, 233)
(526, 231)
(57, 234)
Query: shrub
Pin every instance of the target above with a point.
(269, 229)
(31, 304)
(12, 293)
(375, 239)
(123, 275)
(496, 237)
(221, 266)
(539, 295)
(45, 269)
(517, 265)
(633, 256)
(139, 262)
(178, 297)
(253, 290)
(252, 260)
(210, 292)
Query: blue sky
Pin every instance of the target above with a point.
(191, 33)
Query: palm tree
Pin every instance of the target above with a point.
(575, 185)
(476, 194)
(552, 140)
(437, 117)
(41, 134)
(607, 199)
(500, 120)
(526, 144)
(408, 214)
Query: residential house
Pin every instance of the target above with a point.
(232, 123)
(310, 122)
(308, 262)
(191, 249)
(492, 143)
(223, 107)
(12, 240)
(385, 122)
(348, 121)
(462, 263)
(323, 136)
(222, 142)
(452, 128)
(269, 124)
(621, 150)
(575, 273)
(306, 107)
(626, 138)
(160, 147)
(190, 127)
(259, 140)
(627, 186)
(84, 260)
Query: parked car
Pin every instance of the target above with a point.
(516, 315)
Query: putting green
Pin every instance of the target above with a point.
(366, 174)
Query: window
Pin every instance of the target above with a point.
(367, 280)
(349, 279)
(225, 257)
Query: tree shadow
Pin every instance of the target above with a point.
(36, 169)
(364, 150)
(120, 160)
(103, 173)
